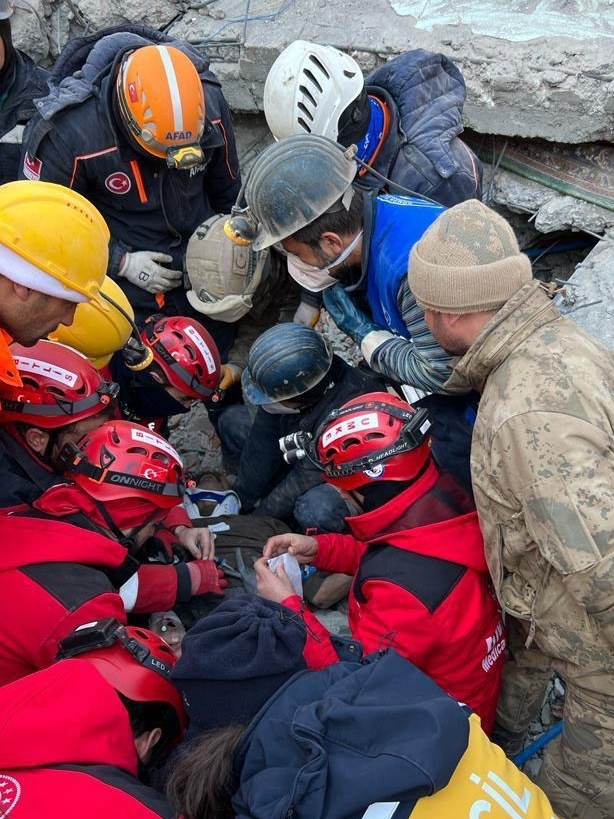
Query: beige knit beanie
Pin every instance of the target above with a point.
(468, 261)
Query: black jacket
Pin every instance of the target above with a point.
(75, 140)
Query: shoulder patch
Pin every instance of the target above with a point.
(10, 791)
(32, 167)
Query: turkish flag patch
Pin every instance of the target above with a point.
(10, 791)
(32, 167)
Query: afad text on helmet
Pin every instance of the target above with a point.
(178, 136)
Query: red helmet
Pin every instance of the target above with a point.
(186, 352)
(60, 387)
(134, 660)
(373, 437)
(121, 460)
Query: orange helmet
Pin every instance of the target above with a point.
(161, 102)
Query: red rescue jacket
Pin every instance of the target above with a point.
(53, 578)
(421, 585)
(67, 750)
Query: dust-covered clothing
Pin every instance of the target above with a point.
(543, 475)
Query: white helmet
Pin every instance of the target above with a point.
(307, 89)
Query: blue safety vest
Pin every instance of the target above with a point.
(398, 223)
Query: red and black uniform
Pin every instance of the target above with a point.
(67, 750)
(53, 578)
(421, 585)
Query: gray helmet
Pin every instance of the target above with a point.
(221, 276)
(284, 362)
(290, 184)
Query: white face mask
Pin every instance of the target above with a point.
(315, 278)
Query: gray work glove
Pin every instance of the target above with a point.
(142, 269)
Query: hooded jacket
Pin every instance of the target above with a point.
(53, 578)
(75, 140)
(67, 749)
(424, 93)
(421, 586)
(543, 473)
(331, 743)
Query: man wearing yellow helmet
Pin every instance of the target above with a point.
(140, 126)
(53, 255)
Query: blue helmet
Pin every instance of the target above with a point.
(284, 362)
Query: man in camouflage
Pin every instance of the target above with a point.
(542, 463)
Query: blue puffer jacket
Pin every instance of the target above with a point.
(425, 93)
(332, 742)
(75, 140)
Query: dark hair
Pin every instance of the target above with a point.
(145, 716)
(202, 781)
(340, 221)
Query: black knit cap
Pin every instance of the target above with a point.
(236, 658)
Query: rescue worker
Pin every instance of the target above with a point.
(377, 738)
(294, 380)
(542, 464)
(78, 738)
(62, 398)
(21, 82)
(138, 123)
(405, 117)
(300, 192)
(184, 367)
(78, 550)
(415, 551)
(53, 255)
(99, 328)
(234, 284)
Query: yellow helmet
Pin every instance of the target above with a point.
(161, 101)
(98, 329)
(58, 234)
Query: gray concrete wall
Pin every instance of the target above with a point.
(534, 68)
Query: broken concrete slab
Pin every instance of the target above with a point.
(532, 69)
(588, 296)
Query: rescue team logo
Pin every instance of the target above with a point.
(132, 92)
(10, 791)
(193, 334)
(52, 371)
(361, 422)
(32, 167)
(118, 182)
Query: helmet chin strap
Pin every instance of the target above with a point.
(127, 541)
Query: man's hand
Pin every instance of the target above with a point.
(197, 541)
(206, 578)
(142, 269)
(346, 315)
(302, 547)
(275, 586)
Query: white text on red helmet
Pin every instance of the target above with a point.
(144, 436)
(193, 334)
(361, 422)
(52, 371)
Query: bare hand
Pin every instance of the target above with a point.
(303, 547)
(275, 586)
(199, 542)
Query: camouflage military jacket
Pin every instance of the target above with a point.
(543, 472)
